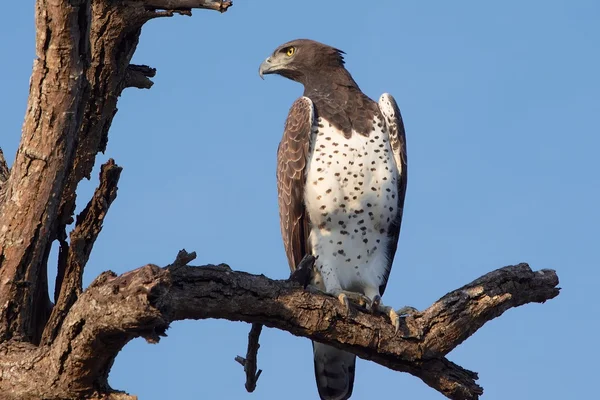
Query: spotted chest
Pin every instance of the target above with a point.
(351, 197)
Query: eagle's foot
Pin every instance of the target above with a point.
(394, 315)
(346, 297)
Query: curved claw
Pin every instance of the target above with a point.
(395, 319)
(344, 300)
(393, 314)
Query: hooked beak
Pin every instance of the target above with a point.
(266, 67)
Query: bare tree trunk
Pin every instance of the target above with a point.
(65, 349)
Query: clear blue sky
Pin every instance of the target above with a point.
(501, 103)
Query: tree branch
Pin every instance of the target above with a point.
(145, 301)
(88, 227)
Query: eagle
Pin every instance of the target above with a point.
(341, 183)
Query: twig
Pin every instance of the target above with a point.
(249, 363)
(87, 228)
(214, 292)
(183, 258)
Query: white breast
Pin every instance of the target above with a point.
(351, 198)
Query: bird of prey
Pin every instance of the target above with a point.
(341, 180)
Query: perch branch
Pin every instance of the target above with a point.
(249, 363)
(138, 76)
(87, 228)
(145, 301)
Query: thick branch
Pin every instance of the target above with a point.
(143, 303)
(88, 227)
(40, 169)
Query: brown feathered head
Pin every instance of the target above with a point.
(303, 60)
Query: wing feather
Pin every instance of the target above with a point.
(393, 119)
(292, 159)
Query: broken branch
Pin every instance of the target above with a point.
(249, 363)
(138, 76)
(87, 228)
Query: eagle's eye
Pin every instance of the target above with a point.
(290, 51)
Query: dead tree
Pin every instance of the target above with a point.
(64, 349)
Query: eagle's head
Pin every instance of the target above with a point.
(303, 60)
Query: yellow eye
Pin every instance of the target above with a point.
(290, 51)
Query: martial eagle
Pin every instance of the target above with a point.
(341, 180)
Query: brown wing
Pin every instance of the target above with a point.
(292, 158)
(395, 125)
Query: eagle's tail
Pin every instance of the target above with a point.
(334, 372)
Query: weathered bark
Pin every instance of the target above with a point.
(65, 350)
(145, 301)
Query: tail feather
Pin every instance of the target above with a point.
(334, 372)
